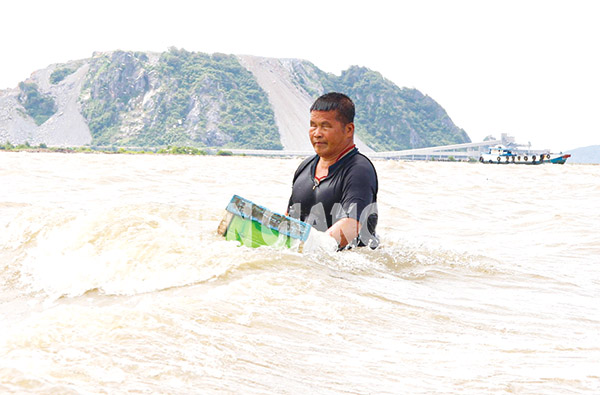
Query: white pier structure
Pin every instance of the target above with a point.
(466, 151)
(459, 152)
(463, 152)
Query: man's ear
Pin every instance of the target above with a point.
(349, 128)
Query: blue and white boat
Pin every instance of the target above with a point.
(503, 155)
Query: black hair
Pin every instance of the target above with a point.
(334, 101)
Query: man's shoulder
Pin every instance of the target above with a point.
(364, 158)
(306, 161)
(361, 168)
(303, 165)
(362, 161)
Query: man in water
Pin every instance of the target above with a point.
(335, 191)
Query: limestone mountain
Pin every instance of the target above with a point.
(141, 99)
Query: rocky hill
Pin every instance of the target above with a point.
(177, 97)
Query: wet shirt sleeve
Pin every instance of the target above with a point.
(359, 191)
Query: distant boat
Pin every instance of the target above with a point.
(503, 155)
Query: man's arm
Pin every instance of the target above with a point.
(344, 231)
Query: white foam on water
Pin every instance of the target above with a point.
(124, 250)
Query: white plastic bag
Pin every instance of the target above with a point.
(319, 242)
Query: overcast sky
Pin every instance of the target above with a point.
(528, 68)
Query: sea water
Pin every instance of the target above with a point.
(114, 280)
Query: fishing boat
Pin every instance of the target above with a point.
(504, 155)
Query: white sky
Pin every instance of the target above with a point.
(528, 68)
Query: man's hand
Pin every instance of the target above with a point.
(344, 231)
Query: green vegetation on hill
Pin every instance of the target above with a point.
(186, 98)
(60, 74)
(109, 87)
(243, 117)
(393, 118)
(387, 117)
(38, 106)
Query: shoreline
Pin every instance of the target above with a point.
(193, 151)
(171, 150)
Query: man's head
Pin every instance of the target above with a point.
(334, 101)
(332, 125)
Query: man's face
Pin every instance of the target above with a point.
(328, 135)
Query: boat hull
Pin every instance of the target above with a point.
(523, 159)
(560, 160)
